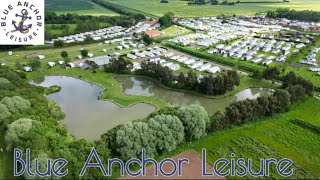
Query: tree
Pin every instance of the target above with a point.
(18, 130)
(18, 65)
(147, 39)
(271, 74)
(64, 54)
(195, 120)
(257, 75)
(191, 80)
(58, 43)
(181, 79)
(163, 137)
(121, 66)
(4, 82)
(139, 17)
(109, 139)
(283, 100)
(84, 53)
(35, 64)
(289, 79)
(297, 92)
(166, 20)
(174, 124)
(217, 121)
(132, 137)
(4, 112)
(42, 167)
(16, 104)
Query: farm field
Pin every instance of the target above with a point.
(181, 9)
(298, 5)
(82, 7)
(271, 137)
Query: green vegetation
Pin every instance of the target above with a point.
(33, 123)
(53, 54)
(83, 7)
(112, 87)
(241, 65)
(181, 9)
(159, 134)
(171, 32)
(307, 15)
(269, 137)
(208, 85)
(59, 30)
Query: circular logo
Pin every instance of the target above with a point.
(21, 21)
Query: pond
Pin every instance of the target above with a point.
(146, 87)
(86, 116)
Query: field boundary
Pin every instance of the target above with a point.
(306, 125)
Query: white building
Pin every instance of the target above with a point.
(51, 64)
(41, 57)
(27, 69)
(213, 70)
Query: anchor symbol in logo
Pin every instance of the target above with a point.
(24, 29)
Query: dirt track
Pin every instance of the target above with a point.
(193, 170)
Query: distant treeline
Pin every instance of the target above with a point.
(120, 9)
(306, 15)
(53, 18)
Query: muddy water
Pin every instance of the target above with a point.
(146, 87)
(86, 116)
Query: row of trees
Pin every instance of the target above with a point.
(160, 133)
(306, 15)
(53, 18)
(169, 127)
(207, 84)
(294, 89)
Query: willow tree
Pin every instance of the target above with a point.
(195, 120)
(4, 112)
(174, 124)
(16, 104)
(132, 137)
(18, 130)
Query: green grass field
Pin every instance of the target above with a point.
(172, 31)
(53, 54)
(271, 137)
(81, 7)
(72, 27)
(181, 9)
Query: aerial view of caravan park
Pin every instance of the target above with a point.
(159, 89)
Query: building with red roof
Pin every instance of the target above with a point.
(153, 33)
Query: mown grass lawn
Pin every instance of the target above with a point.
(171, 32)
(53, 54)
